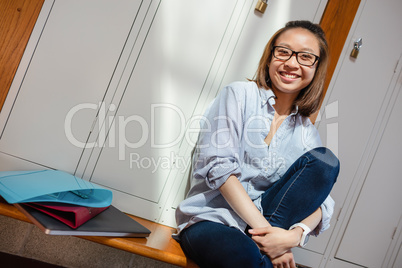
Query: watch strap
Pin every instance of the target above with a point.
(306, 231)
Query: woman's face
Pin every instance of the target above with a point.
(289, 76)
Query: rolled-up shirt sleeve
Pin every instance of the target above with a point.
(216, 156)
(327, 211)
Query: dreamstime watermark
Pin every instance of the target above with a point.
(128, 133)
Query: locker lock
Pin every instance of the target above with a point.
(261, 6)
(356, 48)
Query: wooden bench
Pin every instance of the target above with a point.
(159, 245)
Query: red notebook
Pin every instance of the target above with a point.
(72, 215)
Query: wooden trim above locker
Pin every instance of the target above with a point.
(17, 20)
(336, 21)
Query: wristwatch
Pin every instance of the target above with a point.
(306, 231)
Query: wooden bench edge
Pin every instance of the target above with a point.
(115, 242)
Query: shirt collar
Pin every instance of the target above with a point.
(268, 96)
(295, 110)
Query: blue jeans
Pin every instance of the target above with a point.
(294, 197)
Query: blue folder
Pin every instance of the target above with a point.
(52, 186)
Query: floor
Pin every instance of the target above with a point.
(9, 260)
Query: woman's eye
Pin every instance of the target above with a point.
(283, 52)
(306, 56)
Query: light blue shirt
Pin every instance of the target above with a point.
(231, 141)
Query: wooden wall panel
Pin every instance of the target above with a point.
(17, 19)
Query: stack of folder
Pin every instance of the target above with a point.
(63, 204)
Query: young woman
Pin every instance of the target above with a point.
(261, 182)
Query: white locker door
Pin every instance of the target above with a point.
(376, 215)
(358, 97)
(160, 94)
(358, 102)
(70, 68)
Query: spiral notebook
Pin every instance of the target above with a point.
(111, 222)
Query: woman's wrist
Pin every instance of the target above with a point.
(296, 236)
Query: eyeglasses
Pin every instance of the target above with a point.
(303, 58)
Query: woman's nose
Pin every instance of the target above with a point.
(292, 62)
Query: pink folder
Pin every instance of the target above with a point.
(72, 215)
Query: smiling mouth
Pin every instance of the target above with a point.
(288, 75)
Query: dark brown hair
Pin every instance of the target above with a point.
(309, 98)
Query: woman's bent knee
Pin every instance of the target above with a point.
(326, 161)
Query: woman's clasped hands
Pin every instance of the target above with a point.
(276, 243)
